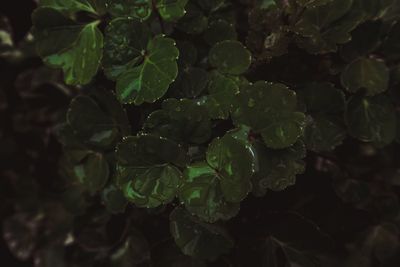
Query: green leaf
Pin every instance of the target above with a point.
(180, 120)
(171, 10)
(234, 162)
(230, 57)
(322, 28)
(90, 124)
(76, 49)
(371, 119)
(91, 6)
(270, 109)
(369, 74)
(140, 9)
(218, 31)
(202, 194)
(276, 169)
(147, 172)
(221, 99)
(150, 80)
(125, 44)
(197, 239)
(89, 169)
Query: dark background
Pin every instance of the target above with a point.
(19, 14)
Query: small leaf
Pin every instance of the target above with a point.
(150, 80)
(201, 193)
(270, 109)
(87, 168)
(234, 163)
(125, 43)
(197, 239)
(221, 99)
(171, 10)
(75, 48)
(277, 169)
(146, 169)
(369, 74)
(230, 57)
(180, 120)
(371, 119)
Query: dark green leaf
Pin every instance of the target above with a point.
(270, 109)
(150, 80)
(371, 119)
(221, 99)
(147, 172)
(369, 74)
(202, 194)
(230, 57)
(75, 48)
(197, 239)
(234, 162)
(277, 169)
(180, 120)
(125, 44)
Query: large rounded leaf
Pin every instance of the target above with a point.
(197, 239)
(180, 120)
(230, 57)
(146, 169)
(124, 45)
(75, 48)
(221, 99)
(150, 80)
(201, 193)
(170, 10)
(371, 119)
(369, 74)
(234, 163)
(270, 109)
(277, 169)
